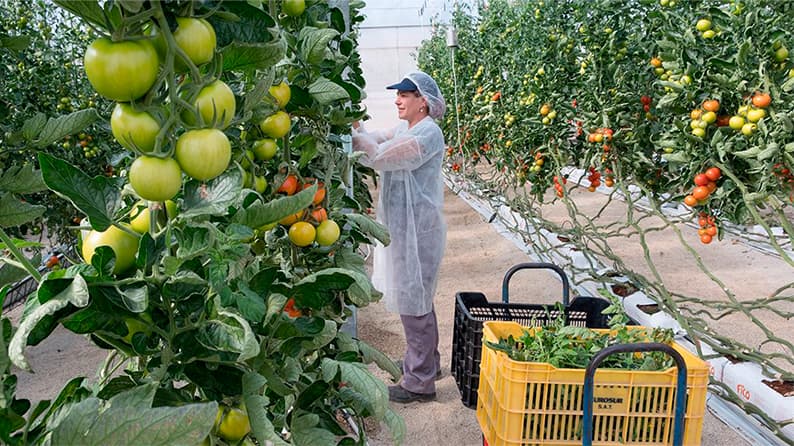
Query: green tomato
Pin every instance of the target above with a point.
(124, 246)
(232, 424)
(134, 129)
(260, 183)
(781, 54)
(281, 93)
(703, 25)
(293, 8)
(327, 233)
(155, 179)
(709, 34)
(276, 125)
(140, 215)
(748, 129)
(196, 37)
(203, 154)
(265, 149)
(216, 104)
(121, 71)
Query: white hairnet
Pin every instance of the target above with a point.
(430, 91)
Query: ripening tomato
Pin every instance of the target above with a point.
(123, 244)
(155, 179)
(196, 37)
(701, 179)
(203, 154)
(690, 201)
(762, 100)
(713, 173)
(302, 233)
(216, 105)
(290, 220)
(134, 129)
(121, 71)
(319, 214)
(705, 239)
(711, 105)
(289, 186)
(700, 193)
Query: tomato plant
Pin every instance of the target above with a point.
(196, 310)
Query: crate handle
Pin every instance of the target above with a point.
(680, 391)
(506, 281)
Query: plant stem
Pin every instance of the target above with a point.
(24, 261)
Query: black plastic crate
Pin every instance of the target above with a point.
(473, 308)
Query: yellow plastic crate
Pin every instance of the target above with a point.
(530, 403)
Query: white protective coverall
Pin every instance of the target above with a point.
(409, 204)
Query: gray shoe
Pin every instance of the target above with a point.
(399, 363)
(400, 395)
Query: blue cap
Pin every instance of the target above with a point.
(404, 85)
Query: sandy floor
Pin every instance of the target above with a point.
(476, 259)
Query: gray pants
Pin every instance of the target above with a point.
(422, 359)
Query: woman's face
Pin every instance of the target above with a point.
(409, 105)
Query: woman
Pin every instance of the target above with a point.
(410, 203)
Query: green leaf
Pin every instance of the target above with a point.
(195, 240)
(371, 354)
(10, 273)
(316, 289)
(97, 197)
(22, 180)
(57, 128)
(76, 294)
(213, 197)
(89, 10)
(15, 43)
(326, 91)
(33, 126)
(259, 214)
(322, 338)
(305, 432)
(357, 376)
(396, 425)
(261, 426)
(314, 42)
(129, 419)
(231, 333)
(251, 304)
(240, 56)
(370, 227)
(14, 212)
